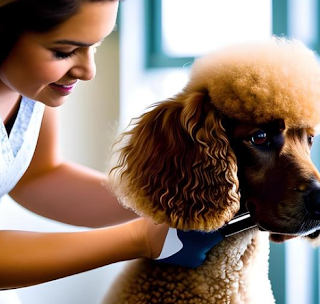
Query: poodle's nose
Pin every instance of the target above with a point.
(312, 201)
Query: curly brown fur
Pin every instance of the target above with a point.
(178, 168)
(243, 124)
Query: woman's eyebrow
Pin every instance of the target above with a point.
(72, 42)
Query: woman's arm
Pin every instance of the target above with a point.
(64, 191)
(28, 258)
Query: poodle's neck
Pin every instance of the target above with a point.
(238, 268)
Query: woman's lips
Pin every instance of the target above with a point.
(62, 89)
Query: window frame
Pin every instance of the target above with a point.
(155, 57)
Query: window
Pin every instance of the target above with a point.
(180, 30)
(191, 38)
(177, 31)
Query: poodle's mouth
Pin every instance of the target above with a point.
(313, 235)
(308, 229)
(281, 236)
(278, 237)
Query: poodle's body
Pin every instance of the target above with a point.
(235, 271)
(239, 135)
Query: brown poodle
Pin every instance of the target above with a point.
(239, 134)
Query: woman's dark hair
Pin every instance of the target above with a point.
(20, 16)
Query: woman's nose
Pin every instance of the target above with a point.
(85, 67)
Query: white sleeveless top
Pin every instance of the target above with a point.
(16, 151)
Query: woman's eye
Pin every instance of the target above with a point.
(310, 139)
(62, 55)
(260, 138)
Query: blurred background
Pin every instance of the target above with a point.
(147, 59)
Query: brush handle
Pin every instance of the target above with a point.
(241, 222)
(189, 248)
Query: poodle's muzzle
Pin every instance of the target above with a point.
(279, 184)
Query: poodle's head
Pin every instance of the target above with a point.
(176, 163)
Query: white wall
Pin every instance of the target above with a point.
(88, 124)
(89, 119)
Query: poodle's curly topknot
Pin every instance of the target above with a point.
(262, 81)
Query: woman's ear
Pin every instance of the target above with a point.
(177, 165)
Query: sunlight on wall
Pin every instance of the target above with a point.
(192, 27)
(174, 82)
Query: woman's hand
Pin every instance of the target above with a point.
(173, 246)
(150, 237)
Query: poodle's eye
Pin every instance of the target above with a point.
(260, 138)
(310, 139)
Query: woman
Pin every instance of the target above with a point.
(46, 52)
(46, 47)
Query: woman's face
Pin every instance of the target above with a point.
(46, 66)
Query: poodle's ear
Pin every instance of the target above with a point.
(177, 165)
